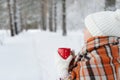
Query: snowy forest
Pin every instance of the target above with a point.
(31, 31)
(52, 15)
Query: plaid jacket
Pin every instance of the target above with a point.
(98, 60)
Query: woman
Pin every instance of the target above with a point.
(100, 57)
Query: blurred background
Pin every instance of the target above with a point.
(52, 15)
(31, 31)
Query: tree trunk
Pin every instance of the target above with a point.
(64, 18)
(15, 17)
(21, 20)
(43, 13)
(51, 15)
(25, 21)
(110, 5)
(55, 15)
(10, 19)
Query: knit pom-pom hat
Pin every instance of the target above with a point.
(106, 23)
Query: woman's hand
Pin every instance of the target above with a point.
(63, 65)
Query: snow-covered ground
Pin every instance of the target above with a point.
(31, 54)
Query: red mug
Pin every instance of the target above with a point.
(64, 52)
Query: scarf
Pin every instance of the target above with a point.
(98, 60)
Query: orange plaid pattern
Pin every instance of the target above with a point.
(98, 60)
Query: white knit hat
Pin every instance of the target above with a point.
(106, 23)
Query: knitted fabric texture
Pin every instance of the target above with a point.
(105, 23)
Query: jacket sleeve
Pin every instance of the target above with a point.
(74, 69)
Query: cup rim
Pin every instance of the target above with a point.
(65, 48)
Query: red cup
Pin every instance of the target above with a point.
(64, 52)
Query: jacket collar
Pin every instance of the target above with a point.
(98, 41)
